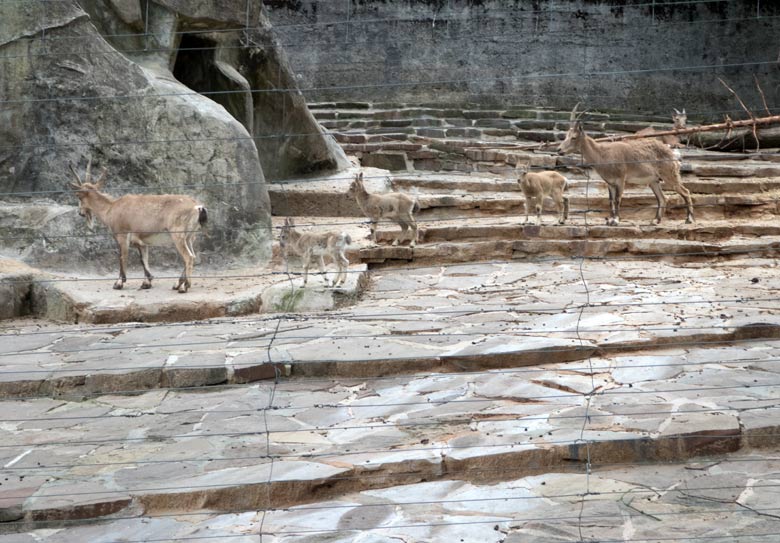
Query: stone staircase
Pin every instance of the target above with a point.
(439, 390)
(499, 382)
(468, 217)
(403, 137)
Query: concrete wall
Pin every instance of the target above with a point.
(530, 52)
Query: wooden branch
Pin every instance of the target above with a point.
(773, 119)
(750, 113)
(728, 125)
(761, 92)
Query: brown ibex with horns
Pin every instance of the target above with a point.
(142, 220)
(646, 161)
(679, 120)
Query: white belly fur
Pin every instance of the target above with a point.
(155, 240)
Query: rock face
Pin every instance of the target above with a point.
(116, 81)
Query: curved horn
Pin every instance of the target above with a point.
(677, 112)
(573, 117)
(78, 179)
(88, 174)
(99, 182)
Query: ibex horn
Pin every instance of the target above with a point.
(572, 117)
(73, 170)
(677, 112)
(88, 175)
(102, 177)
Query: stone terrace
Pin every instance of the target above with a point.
(499, 382)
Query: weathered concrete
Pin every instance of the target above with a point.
(494, 52)
(92, 298)
(339, 437)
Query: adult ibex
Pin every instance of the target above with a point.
(310, 246)
(396, 206)
(679, 119)
(645, 161)
(141, 221)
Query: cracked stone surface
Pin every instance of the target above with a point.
(437, 376)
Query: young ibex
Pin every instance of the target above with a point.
(395, 206)
(141, 221)
(540, 185)
(646, 161)
(679, 119)
(308, 246)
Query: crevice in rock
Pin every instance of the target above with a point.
(197, 67)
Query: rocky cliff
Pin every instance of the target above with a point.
(168, 96)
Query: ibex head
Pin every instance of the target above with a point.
(679, 118)
(356, 185)
(575, 134)
(85, 190)
(284, 233)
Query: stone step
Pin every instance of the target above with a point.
(92, 299)
(459, 183)
(509, 511)
(672, 250)
(285, 444)
(638, 203)
(363, 111)
(487, 229)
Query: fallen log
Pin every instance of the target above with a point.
(728, 138)
(727, 126)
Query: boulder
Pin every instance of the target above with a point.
(148, 93)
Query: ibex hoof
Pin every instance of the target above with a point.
(118, 285)
(182, 289)
(689, 220)
(146, 285)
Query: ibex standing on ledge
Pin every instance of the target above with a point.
(679, 119)
(537, 186)
(646, 161)
(310, 246)
(141, 221)
(396, 206)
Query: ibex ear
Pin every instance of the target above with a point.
(683, 111)
(287, 221)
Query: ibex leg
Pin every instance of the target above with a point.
(660, 199)
(321, 262)
(123, 241)
(343, 265)
(184, 280)
(402, 234)
(306, 263)
(618, 201)
(143, 250)
(565, 204)
(686, 195)
(611, 190)
(372, 228)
